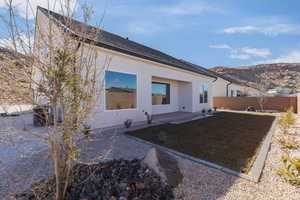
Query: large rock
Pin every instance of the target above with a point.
(295, 154)
(165, 165)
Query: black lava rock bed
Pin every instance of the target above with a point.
(113, 180)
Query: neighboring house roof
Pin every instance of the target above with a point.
(213, 73)
(114, 42)
(233, 81)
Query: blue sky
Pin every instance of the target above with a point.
(208, 33)
(120, 80)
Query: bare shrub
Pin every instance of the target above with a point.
(64, 76)
(286, 121)
(291, 170)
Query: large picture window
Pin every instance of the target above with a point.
(160, 93)
(120, 90)
(203, 93)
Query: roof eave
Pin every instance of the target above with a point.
(106, 46)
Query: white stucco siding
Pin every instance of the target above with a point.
(184, 89)
(244, 89)
(219, 88)
(233, 88)
(253, 92)
(197, 84)
(184, 85)
(185, 97)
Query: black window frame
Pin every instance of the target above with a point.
(134, 103)
(168, 92)
(203, 96)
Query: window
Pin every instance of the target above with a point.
(204, 94)
(120, 90)
(160, 93)
(232, 93)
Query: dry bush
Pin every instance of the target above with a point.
(288, 142)
(291, 170)
(286, 121)
(64, 76)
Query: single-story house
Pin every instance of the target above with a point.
(138, 79)
(280, 92)
(227, 87)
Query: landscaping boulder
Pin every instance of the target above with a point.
(165, 165)
(295, 154)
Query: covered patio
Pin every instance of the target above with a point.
(178, 116)
(170, 95)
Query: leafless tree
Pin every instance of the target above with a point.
(64, 76)
(262, 98)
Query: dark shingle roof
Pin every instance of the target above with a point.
(117, 43)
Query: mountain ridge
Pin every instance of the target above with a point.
(264, 76)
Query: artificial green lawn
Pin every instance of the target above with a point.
(229, 139)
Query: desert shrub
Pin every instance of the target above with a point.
(288, 142)
(291, 170)
(286, 120)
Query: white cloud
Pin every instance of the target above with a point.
(240, 56)
(269, 29)
(291, 57)
(28, 7)
(247, 53)
(256, 52)
(188, 8)
(144, 28)
(23, 43)
(152, 18)
(221, 46)
(243, 53)
(151, 28)
(240, 29)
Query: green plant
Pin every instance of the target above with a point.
(287, 120)
(86, 129)
(149, 118)
(128, 123)
(291, 170)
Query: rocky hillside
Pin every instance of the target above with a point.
(265, 76)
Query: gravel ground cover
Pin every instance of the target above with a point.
(199, 183)
(113, 180)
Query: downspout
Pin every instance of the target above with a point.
(212, 97)
(227, 92)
